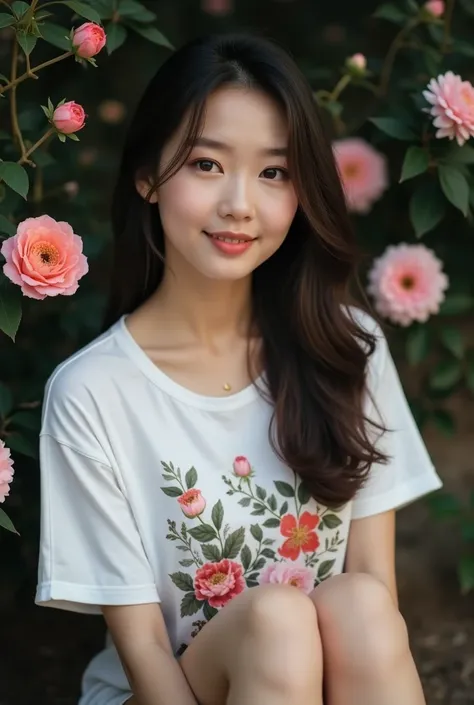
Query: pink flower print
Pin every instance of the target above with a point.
(192, 503)
(242, 466)
(219, 582)
(283, 574)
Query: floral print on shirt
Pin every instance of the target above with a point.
(225, 562)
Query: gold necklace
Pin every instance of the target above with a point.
(226, 387)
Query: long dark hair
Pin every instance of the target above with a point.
(315, 353)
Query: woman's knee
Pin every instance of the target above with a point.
(361, 627)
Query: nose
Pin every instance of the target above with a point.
(237, 199)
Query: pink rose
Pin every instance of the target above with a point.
(219, 582)
(89, 39)
(242, 466)
(283, 574)
(192, 503)
(44, 258)
(435, 7)
(6, 471)
(69, 117)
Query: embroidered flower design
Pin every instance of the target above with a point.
(242, 467)
(300, 535)
(219, 582)
(284, 574)
(192, 503)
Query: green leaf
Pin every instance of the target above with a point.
(152, 34)
(304, 495)
(284, 488)
(6, 523)
(470, 371)
(460, 155)
(83, 10)
(394, 128)
(390, 12)
(455, 304)
(234, 543)
(191, 478)
(245, 501)
(6, 399)
(325, 568)
(211, 552)
(28, 420)
(190, 605)
(283, 508)
(6, 226)
(455, 187)
(21, 444)
(186, 562)
(444, 421)
(417, 345)
(416, 162)
(183, 581)
(427, 208)
(256, 532)
(217, 515)
(258, 509)
(10, 309)
(444, 505)
(331, 521)
(20, 8)
(172, 491)
(15, 176)
(452, 339)
(261, 493)
(446, 375)
(208, 611)
(133, 10)
(466, 574)
(245, 557)
(56, 35)
(116, 36)
(271, 523)
(6, 20)
(203, 533)
(272, 503)
(26, 41)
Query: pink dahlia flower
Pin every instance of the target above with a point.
(6, 471)
(363, 172)
(219, 582)
(452, 106)
(284, 574)
(192, 503)
(407, 283)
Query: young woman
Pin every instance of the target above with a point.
(220, 468)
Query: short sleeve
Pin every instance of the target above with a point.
(91, 553)
(409, 473)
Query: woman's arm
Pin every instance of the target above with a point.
(140, 636)
(371, 549)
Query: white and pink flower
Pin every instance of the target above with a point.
(192, 503)
(6, 471)
(363, 172)
(284, 574)
(407, 283)
(452, 107)
(218, 583)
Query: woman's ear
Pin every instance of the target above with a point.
(143, 187)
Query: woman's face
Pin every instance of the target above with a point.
(230, 206)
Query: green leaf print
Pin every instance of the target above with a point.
(191, 478)
(271, 523)
(218, 515)
(234, 543)
(268, 553)
(172, 491)
(261, 493)
(284, 488)
(209, 612)
(245, 501)
(284, 508)
(190, 605)
(272, 503)
(304, 495)
(186, 562)
(182, 581)
(246, 557)
(331, 521)
(256, 532)
(259, 564)
(325, 568)
(203, 533)
(211, 553)
(258, 509)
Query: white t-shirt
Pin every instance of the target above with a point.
(146, 497)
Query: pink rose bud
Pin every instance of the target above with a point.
(192, 503)
(242, 466)
(69, 117)
(358, 61)
(435, 7)
(71, 188)
(88, 39)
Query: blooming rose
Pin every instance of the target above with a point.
(69, 117)
(242, 466)
(44, 258)
(407, 283)
(192, 503)
(281, 573)
(363, 172)
(6, 471)
(452, 106)
(89, 39)
(435, 7)
(219, 582)
(300, 535)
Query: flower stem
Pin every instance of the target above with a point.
(32, 71)
(17, 136)
(37, 144)
(448, 18)
(339, 87)
(395, 47)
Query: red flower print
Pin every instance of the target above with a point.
(219, 582)
(300, 536)
(192, 503)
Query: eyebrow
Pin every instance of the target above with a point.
(216, 144)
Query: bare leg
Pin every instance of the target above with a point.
(367, 659)
(263, 648)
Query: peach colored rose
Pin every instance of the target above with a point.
(6, 471)
(217, 583)
(69, 117)
(242, 466)
(192, 503)
(284, 574)
(44, 258)
(89, 39)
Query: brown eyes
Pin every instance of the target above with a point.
(272, 173)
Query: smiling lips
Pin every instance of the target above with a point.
(231, 243)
